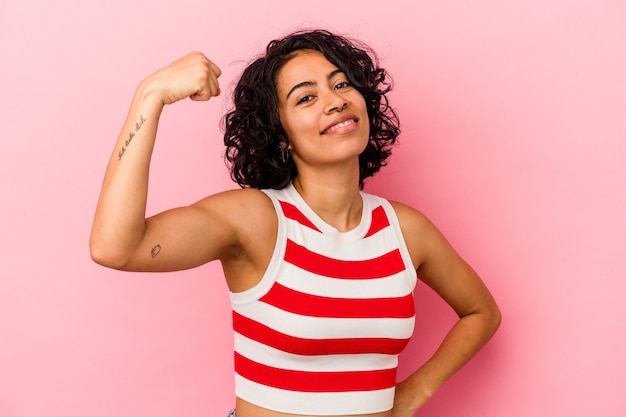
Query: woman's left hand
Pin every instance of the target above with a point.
(406, 401)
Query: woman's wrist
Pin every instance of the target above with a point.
(149, 94)
(413, 393)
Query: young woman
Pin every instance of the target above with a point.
(320, 273)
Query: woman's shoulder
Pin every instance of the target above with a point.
(247, 213)
(408, 216)
(238, 203)
(418, 231)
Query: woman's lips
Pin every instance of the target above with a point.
(341, 126)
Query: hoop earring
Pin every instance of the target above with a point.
(284, 155)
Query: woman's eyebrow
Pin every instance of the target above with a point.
(312, 83)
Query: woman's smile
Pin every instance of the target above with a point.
(346, 125)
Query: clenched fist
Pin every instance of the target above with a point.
(192, 76)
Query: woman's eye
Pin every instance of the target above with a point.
(304, 99)
(342, 84)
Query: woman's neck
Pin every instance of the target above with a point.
(335, 199)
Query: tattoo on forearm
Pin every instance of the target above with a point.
(131, 135)
(155, 251)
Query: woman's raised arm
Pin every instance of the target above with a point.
(121, 236)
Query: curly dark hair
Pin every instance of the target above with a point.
(253, 133)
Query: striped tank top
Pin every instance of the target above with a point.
(321, 332)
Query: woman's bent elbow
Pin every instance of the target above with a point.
(105, 255)
(495, 318)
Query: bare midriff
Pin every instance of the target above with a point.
(246, 409)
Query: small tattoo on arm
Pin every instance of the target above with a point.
(131, 135)
(155, 251)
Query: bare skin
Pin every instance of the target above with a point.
(327, 127)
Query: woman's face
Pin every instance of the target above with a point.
(325, 118)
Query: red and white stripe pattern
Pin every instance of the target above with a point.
(322, 331)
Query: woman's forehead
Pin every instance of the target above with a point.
(305, 66)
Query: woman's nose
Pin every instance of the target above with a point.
(335, 103)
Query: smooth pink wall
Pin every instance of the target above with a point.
(514, 143)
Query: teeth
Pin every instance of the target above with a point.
(340, 125)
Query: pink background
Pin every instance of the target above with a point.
(514, 143)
